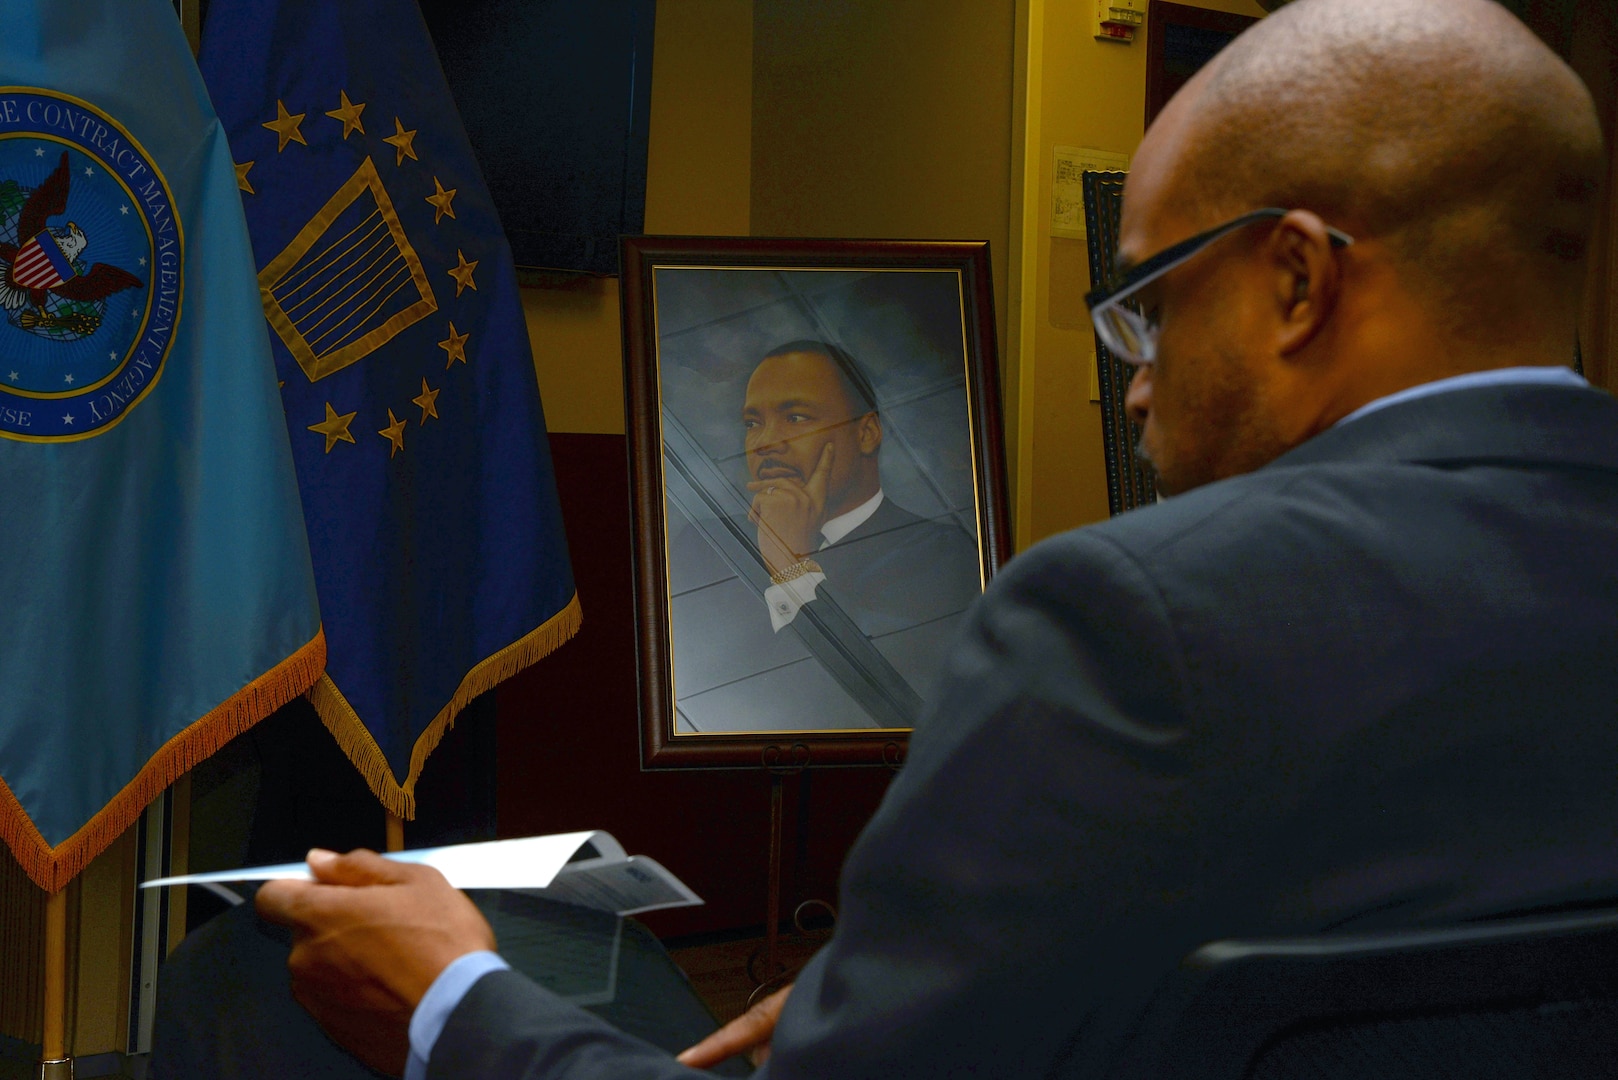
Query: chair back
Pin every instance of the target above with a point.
(1499, 1000)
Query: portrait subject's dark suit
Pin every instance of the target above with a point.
(897, 570)
(1373, 684)
(902, 582)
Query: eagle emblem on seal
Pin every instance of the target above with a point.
(44, 285)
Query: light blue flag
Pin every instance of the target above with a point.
(154, 573)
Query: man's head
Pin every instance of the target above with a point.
(802, 396)
(1458, 151)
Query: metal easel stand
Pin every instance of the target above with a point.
(781, 762)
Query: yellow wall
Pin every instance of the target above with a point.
(1090, 94)
(697, 177)
(885, 119)
(864, 118)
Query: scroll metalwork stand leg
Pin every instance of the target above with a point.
(772, 903)
(800, 846)
(780, 762)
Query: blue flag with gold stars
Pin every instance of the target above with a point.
(407, 375)
(154, 572)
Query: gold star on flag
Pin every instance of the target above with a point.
(285, 126)
(401, 141)
(394, 433)
(428, 401)
(456, 347)
(349, 114)
(241, 177)
(334, 427)
(463, 273)
(441, 201)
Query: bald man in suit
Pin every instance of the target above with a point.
(1355, 674)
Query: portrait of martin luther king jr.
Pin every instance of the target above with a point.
(813, 438)
(817, 487)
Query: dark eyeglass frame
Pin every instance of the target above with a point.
(1116, 324)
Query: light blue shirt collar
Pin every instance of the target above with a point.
(1512, 376)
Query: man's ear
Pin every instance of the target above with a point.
(1307, 279)
(870, 433)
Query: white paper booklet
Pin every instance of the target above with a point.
(587, 869)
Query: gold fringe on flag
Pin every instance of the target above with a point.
(357, 742)
(51, 868)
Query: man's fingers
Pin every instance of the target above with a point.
(738, 1036)
(277, 901)
(751, 1029)
(303, 904)
(358, 867)
(295, 903)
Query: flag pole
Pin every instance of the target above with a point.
(395, 836)
(54, 1062)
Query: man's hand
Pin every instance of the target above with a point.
(369, 936)
(789, 513)
(751, 1031)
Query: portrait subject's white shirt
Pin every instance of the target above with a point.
(843, 524)
(785, 600)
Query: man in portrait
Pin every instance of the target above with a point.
(811, 526)
(813, 439)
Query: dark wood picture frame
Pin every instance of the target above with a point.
(1179, 40)
(642, 257)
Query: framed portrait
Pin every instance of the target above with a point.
(817, 478)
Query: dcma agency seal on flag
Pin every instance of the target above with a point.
(91, 267)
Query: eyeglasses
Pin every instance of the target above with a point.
(1132, 336)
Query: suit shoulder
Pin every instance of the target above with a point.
(1142, 536)
(1237, 519)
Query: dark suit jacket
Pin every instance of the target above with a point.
(1372, 684)
(898, 570)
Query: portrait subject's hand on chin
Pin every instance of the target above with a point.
(369, 936)
(789, 513)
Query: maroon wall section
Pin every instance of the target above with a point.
(569, 741)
